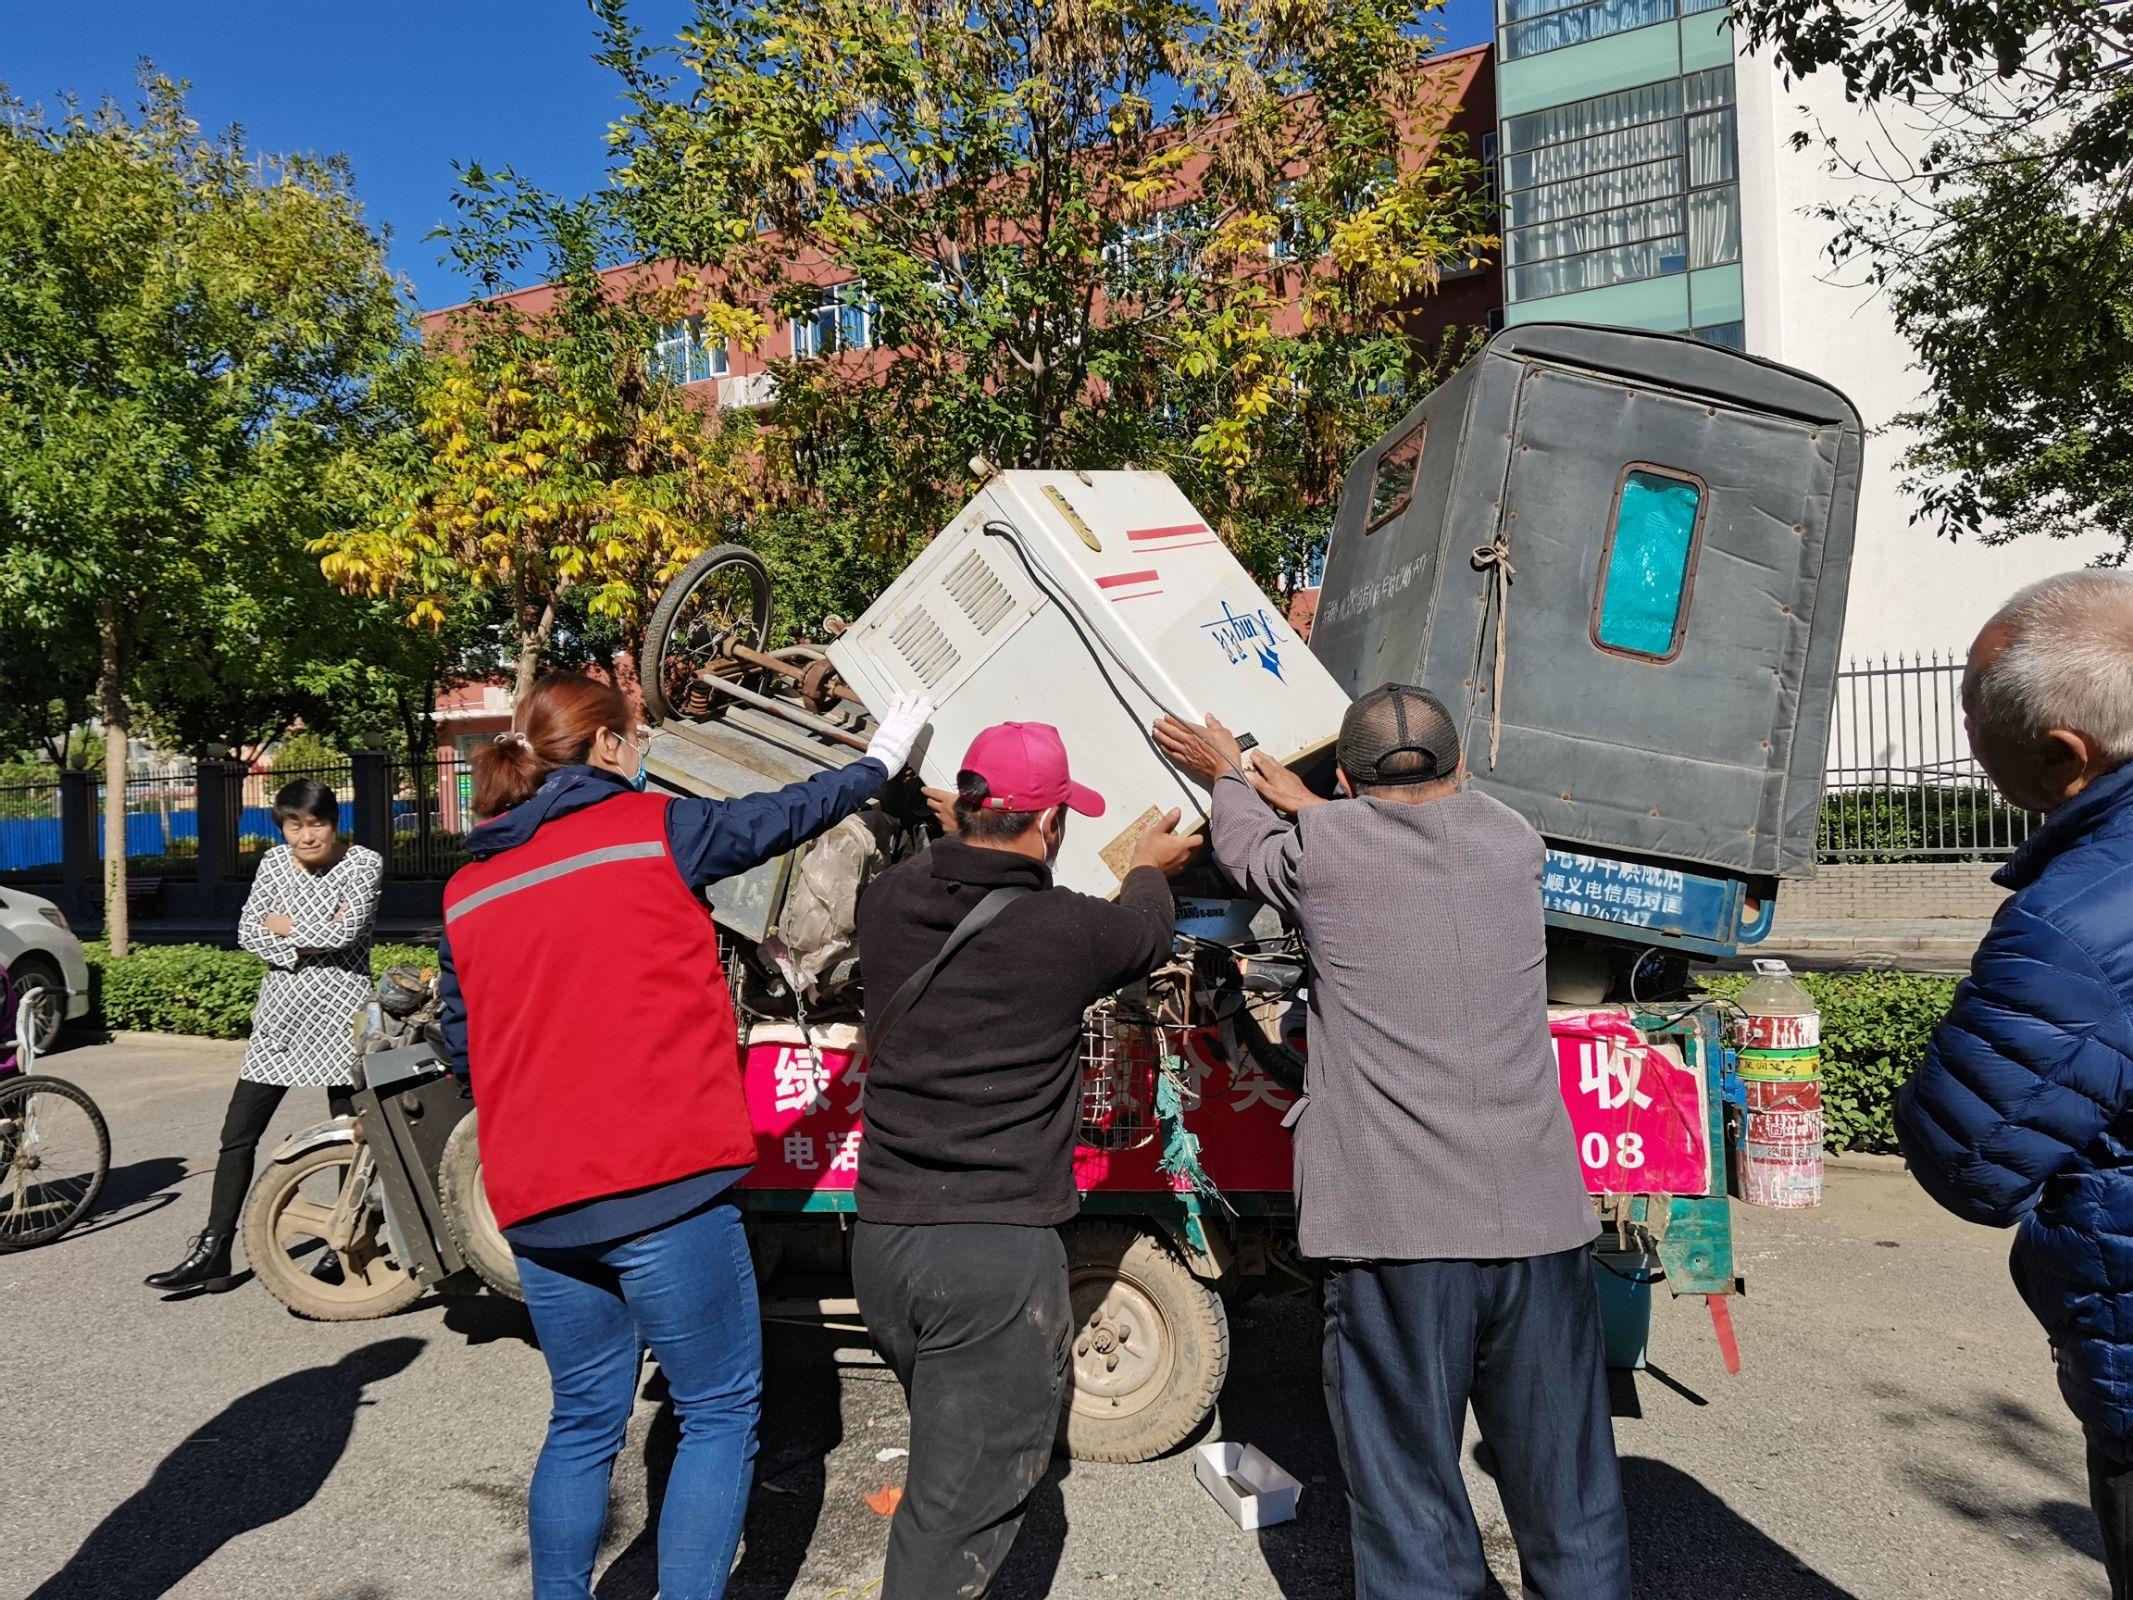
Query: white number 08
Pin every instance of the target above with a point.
(1628, 1151)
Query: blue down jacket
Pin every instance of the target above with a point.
(2023, 1108)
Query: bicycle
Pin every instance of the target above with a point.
(55, 1150)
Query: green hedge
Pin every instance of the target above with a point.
(197, 988)
(1874, 1030)
(1874, 1024)
(1905, 824)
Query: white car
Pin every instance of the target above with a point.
(39, 950)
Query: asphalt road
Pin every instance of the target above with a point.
(1896, 1432)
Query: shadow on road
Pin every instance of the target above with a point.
(263, 1457)
(1680, 1534)
(2001, 1430)
(144, 1186)
(487, 1318)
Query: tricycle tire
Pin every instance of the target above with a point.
(1150, 1345)
(467, 1213)
(377, 1287)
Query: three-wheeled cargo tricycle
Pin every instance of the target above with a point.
(1620, 557)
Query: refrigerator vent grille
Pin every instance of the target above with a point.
(919, 640)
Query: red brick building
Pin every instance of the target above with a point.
(841, 325)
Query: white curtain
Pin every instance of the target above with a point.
(1628, 185)
(1605, 113)
(1714, 226)
(1595, 231)
(1561, 29)
(1712, 149)
(1622, 264)
(1579, 158)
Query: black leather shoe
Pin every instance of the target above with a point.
(206, 1266)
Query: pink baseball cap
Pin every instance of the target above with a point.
(1024, 765)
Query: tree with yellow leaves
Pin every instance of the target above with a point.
(1185, 235)
(547, 458)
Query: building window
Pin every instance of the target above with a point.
(1534, 27)
(1291, 231)
(684, 353)
(1620, 187)
(1649, 565)
(1393, 479)
(1158, 249)
(843, 319)
(1729, 335)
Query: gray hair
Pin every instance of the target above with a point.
(2068, 662)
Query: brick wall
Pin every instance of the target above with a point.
(1898, 892)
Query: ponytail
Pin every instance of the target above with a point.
(555, 726)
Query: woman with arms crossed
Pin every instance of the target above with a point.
(309, 917)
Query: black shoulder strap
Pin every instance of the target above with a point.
(975, 922)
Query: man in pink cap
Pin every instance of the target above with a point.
(978, 970)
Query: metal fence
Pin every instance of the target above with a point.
(29, 829)
(162, 819)
(433, 808)
(1901, 783)
(431, 802)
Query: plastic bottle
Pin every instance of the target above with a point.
(1781, 1075)
(1781, 1014)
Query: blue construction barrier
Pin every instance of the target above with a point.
(27, 842)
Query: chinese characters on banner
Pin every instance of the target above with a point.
(1637, 1111)
(805, 1103)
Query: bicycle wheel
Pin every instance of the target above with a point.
(54, 1155)
(722, 596)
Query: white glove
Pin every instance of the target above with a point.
(901, 725)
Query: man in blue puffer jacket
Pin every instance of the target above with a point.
(2023, 1108)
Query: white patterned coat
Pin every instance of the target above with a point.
(318, 978)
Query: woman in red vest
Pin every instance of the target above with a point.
(584, 1000)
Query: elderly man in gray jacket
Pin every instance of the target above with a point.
(1435, 1168)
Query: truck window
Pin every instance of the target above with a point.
(1650, 561)
(1392, 481)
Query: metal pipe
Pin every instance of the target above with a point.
(778, 708)
(785, 669)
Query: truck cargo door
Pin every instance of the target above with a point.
(1666, 548)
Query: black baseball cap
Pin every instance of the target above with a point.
(1397, 734)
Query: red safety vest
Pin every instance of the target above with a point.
(600, 1032)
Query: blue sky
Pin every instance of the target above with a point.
(402, 89)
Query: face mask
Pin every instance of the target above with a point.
(640, 777)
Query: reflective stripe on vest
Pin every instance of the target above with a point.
(555, 869)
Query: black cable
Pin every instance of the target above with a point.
(1006, 532)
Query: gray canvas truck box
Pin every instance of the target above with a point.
(1621, 558)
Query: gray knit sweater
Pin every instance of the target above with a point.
(1433, 1126)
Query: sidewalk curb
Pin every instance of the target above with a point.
(1866, 1161)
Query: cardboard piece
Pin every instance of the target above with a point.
(1255, 1492)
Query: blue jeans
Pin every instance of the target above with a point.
(688, 1291)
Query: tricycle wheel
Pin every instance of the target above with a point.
(291, 1220)
(720, 598)
(467, 1213)
(1151, 1345)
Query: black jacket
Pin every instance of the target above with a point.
(973, 1102)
